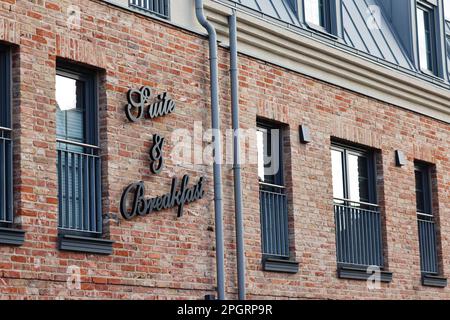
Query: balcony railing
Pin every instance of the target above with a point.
(79, 187)
(6, 195)
(274, 220)
(428, 244)
(158, 7)
(358, 233)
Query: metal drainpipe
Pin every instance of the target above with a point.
(217, 170)
(240, 255)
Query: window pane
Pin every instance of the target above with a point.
(448, 53)
(420, 201)
(314, 12)
(447, 9)
(358, 178)
(60, 121)
(4, 112)
(70, 110)
(269, 170)
(260, 146)
(338, 175)
(424, 38)
(66, 93)
(75, 126)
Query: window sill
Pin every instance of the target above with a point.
(431, 75)
(360, 273)
(85, 244)
(279, 265)
(13, 237)
(433, 281)
(321, 31)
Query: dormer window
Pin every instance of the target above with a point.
(317, 14)
(447, 9)
(426, 37)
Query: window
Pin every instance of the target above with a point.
(269, 155)
(317, 13)
(357, 215)
(425, 218)
(426, 38)
(447, 40)
(79, 188)
(447, 9)
(158, 7)
(273, 200)
(6, 194)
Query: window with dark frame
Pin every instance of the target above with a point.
(158, 7)
(447, 45)
(447, 33)
(357, 214)
(78, 160)
(318, 14)
(273, 198)
(447, 42)
(6, 145)
(425, 219)
(426, 37)
(447, 10)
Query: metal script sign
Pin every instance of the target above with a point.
(140, 206)
(139, 100)
(133, 202)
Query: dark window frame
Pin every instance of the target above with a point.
(9, 233)
(164, 13)
(371, 168)
(444, 9)
(6, 132)
(274, 213)
(331, 17)
(425, 172)
(447, 48)
(359, 224)
(446, 40)
(430, 257)
(324, 16)
(90, 145)
(267, 125)
(432, 23)
(5, 86)
(89, 77)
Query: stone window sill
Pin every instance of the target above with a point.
(433, 281)
(360, 273)
(271, 264)
(85, 244)
(12, 237)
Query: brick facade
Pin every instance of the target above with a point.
(162, 256)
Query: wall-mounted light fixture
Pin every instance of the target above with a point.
(305, 135)
(400, 159)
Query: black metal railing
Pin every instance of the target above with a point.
(274, 220)
(79, 187)
(158, 7)
(358, 233)
(427, 243)
(6, 194)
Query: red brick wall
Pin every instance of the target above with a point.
(161, 256)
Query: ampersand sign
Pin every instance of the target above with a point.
(156, 154)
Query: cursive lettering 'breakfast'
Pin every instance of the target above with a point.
(134, 203)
